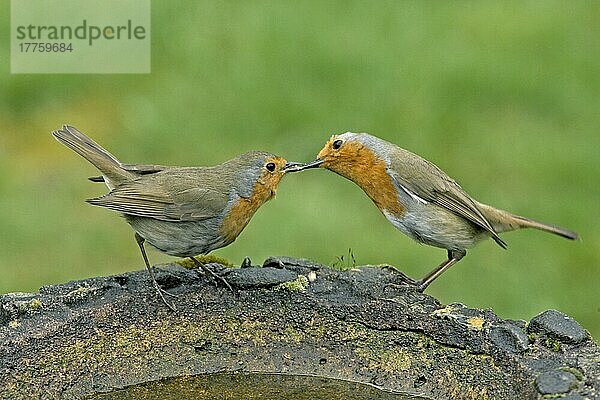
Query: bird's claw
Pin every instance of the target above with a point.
(405, 280)
(217, 277)
(161, 292)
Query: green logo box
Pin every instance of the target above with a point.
(80, 36)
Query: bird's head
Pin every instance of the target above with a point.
(363, 159)
(261, 173)
(349, 154)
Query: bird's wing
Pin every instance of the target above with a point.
(145, 168)
(142, 169)
(433, 185)
(168, 196)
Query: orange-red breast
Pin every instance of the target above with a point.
(182, 211)
(420, 199)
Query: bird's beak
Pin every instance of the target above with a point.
(292, 166)
(300, 167)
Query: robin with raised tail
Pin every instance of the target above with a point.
(182, 211)
(420, 199)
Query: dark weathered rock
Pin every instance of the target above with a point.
(281, 262)
(509, 337)
(555, 382)
(292, 317)
(558, 326)
(246, 263)
(256, 278)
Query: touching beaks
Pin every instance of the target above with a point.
(292, 166)
(295, 167)
(313, 164)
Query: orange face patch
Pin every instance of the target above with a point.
(269, 180)
(243, 210)
(354, 161)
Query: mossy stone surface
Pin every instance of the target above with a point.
(106, 333)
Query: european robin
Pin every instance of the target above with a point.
(420, 199)
(182, 211)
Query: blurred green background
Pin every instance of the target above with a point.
(504, 96)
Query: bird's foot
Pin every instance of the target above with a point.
(406, 281)
(390, 267)
(217, 277)
(161, 292)
(158, 277)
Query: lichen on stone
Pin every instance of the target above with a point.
(80, 293)
(395, 360)
(476, 323)
(553, 344)
(27, 306)
(297, 285)
(35, 304)
(447, 310)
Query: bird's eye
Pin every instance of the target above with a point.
(270, 166)
(337, 144)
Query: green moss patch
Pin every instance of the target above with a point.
(204, 259)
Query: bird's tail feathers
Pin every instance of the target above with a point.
(557, 230)
(93, 152)
(503, 221)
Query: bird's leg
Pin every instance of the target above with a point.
(211, 273)
(454, 256)
(140, 241)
